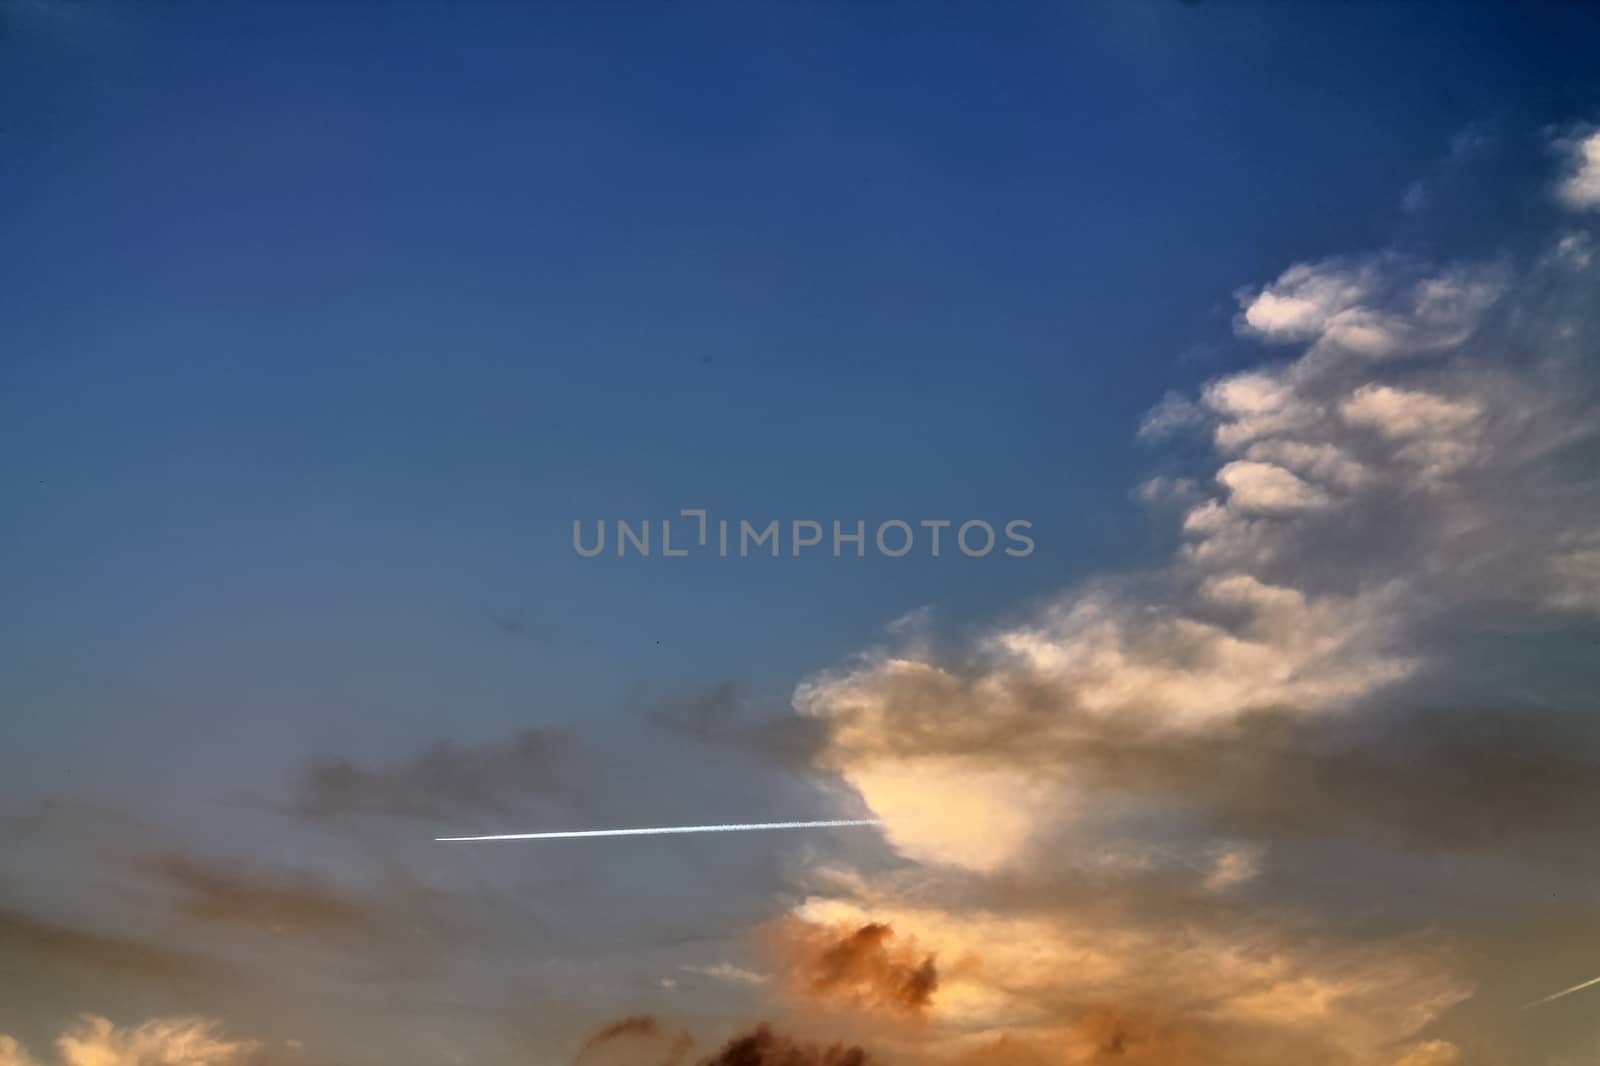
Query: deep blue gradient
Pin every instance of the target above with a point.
(320, 323)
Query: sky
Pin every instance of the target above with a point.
(325, 326)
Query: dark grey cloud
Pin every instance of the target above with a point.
(640, 1039)
(29, 943)
(764, 1046)
(721, 717)
(648, 1041)
(1520, 783)
(445, 780)
(292, 903)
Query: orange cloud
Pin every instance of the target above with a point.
(863, 967)
(161, 1042)
(632, 1037)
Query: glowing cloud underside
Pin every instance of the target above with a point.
(745, 827)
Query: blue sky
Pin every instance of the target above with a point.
(355, 314)
(322, 323)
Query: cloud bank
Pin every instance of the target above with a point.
(1102, 810)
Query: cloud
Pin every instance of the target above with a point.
(37, 943)
(1574, 250)
(1262, 488)
(727, 971)
(1407, 413)
(1358, 505)
(719, 717)
(1372, 309)
(1434, 433)
(863, 967)
(650, 1042)
(912, 736)
(298, 904)
(640, 1039)
(163, 1042)
(762, 1046)
(1089, 984)
(1175, 412)
(1304, 300)
(444, 781)
(1580, 187)
(1165, 818)
(1508, 782)
(1151, 821)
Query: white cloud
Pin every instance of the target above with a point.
(1173, 413)
(1304, 300)
(1167, 490)
(727, 971)
(1580, 189)
(1575, 250)
(1377, 309)
(1263, 488)
(1322, 462)
(1399, 413)
(1253, 405)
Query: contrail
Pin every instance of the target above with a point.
(746, 827)
(1558, 995)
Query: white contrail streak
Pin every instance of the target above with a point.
(1558, 995)
(746, 827)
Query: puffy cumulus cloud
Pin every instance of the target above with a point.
(1580, 187)
(1332, 468)
(864, 966)
(1254, 405)
(1264, 488)
(966, 766)
(1407, 413)
(1321, 462)
(1304, 300)
(1375, 309)
(163, 1042)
